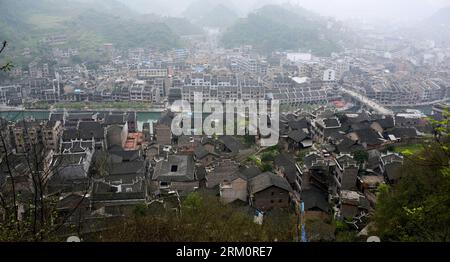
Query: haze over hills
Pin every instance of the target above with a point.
(88, 24)
(179, 7)
(179, 25)
(441, 17)
(276, 27)
(161, 7)
(380, 10)
(211, 13)
(220, 16)
(436, 27)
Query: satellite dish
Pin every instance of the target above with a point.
(373, 239)
(73, 239)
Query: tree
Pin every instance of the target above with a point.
(204, 219)
(343, 232)
(418, 207)
(8, 65)
(193, 201)
(140, 210)
(269, 156)
(27, 212)
(266, 167)
(249, 140)
(361, 156)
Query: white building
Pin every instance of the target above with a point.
(298, 57)
(144, 73)
(329, 75)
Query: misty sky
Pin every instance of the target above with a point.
(376, 9)
(409, 10)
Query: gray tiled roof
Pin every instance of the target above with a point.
(165, 169)
(287, 163)
(297, 135)
(89, 130)
(315, 198)
(266, 180)
(231, 143)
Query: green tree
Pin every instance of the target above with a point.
(140, 210)
(193, 201)
(249, 140)
(266, 167)
(361, 156)
(212, 221)
(8, 65)
(418, 207)
(269, 156)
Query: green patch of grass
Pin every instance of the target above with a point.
(408, 149)
(256, 160)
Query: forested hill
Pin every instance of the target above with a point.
(284, 27)
(212, 13)
(436, 27)
(86, 23)
(441, 17)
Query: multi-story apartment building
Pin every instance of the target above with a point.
(391, 92)
(296, 96)
(242, 64)
(147, 73)
(329, 75)
(51, 133)
(139, 91)
(430, 91)
(10, 95)
(27, 134)
(222, 88)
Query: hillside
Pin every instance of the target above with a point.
(87, 23)
(180, 26)
(275, 27)
(219, 17)
(211, 13)
(161, 7)
(440, 18)
(436, 27)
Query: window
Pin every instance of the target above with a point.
(164, 185)
(271, 201)
(280, 201)
(273, 193)
(174, 168)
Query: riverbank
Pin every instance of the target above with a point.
(90, 106)
(14, 116)
(447, 100)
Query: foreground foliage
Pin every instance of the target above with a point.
(418, 207)
(202, 218)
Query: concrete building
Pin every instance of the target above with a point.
(52, 132)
